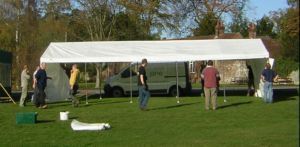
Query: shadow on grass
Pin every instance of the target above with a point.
(173, 106)
(284, 95)
(276, 100)
(234, 104)
(73, 117)
(45, 121)
(100, 102)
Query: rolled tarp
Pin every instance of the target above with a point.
(80, 126)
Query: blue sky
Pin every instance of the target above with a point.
(258, 8)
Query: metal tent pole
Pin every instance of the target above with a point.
(86, 101)
(224, 91)
(100, 84)
(130, 83)
(177, 88)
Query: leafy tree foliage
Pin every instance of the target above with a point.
(265, 27)
(206, 26)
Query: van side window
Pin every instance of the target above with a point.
(126, 73)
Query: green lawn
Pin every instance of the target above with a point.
(242, 121)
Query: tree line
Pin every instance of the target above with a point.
(28, 26)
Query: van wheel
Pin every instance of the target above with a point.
(117, 92)
(173, 91)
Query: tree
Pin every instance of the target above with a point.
(265, 27)
(289, 35)
(151, 17)
(206, 25)
(240, 26)
(239, 21)
(202, 10)
(287, 22)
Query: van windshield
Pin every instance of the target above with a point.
(126, 73)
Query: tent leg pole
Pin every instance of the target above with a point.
(130, 83)
(100, 84)
(224, 90)
(177, 88)
(137, 69)
(86, 102)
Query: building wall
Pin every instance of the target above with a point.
(228, 69)
(231, 69)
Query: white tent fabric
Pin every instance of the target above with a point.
(80, 126)
(58, 88)
(154, 51)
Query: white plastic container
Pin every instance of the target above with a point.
(64, 115)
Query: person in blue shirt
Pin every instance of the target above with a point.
(268, 76)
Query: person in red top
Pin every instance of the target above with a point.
(210, 76)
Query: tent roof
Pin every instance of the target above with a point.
(154, 51)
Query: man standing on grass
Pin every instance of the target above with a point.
(210, 76)
(24, 84)
(142, 85)
(268, 76)
(250, 80)
(40, 82)
(74, 84)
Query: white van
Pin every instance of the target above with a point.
(161, 79)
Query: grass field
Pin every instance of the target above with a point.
(242, 121)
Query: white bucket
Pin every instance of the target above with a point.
(64, 115)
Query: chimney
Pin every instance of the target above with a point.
(219, 29)
(252, 30)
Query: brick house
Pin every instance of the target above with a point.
(231, 70)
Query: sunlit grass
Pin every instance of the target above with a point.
(242, 121)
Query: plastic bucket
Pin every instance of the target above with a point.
(64, 115)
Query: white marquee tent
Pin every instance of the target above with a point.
(153, 51)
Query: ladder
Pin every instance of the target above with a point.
(8, 97)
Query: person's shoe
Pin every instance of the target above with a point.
(76, 103)
(44, 107)
(21, 105)
(143, 109)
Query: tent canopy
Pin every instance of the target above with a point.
(154, 51)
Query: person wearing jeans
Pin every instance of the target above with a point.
(268, 76)
(143, 97)
(142, 85)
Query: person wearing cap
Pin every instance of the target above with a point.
(24, 84)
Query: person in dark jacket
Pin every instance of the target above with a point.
(41, 82)
(250, 80)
